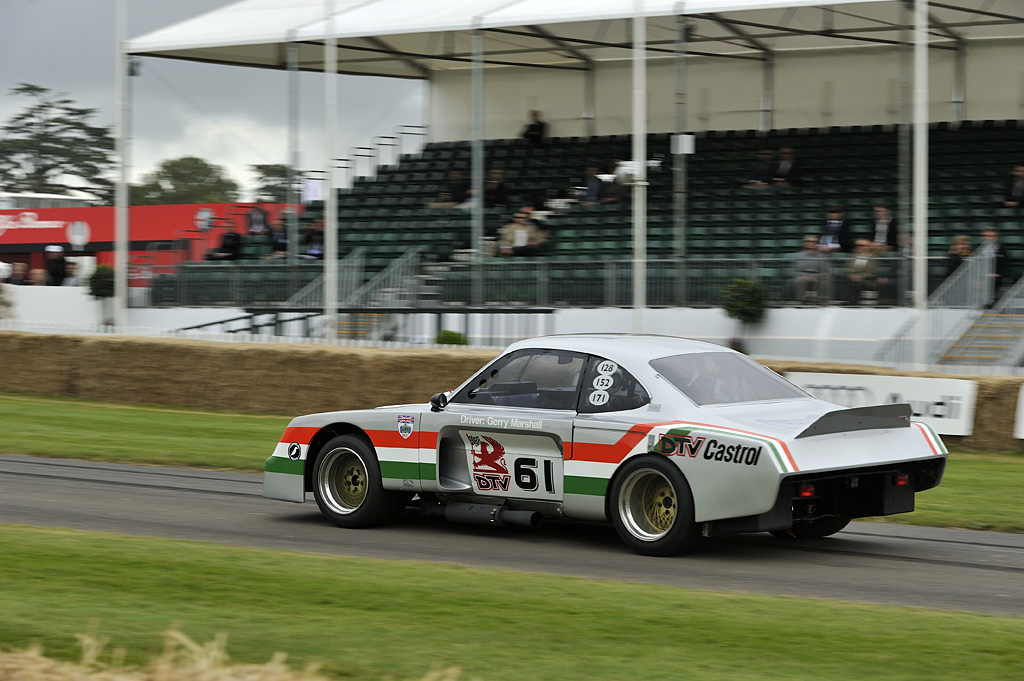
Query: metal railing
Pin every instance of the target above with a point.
(670, 283)
(953, 306)
(350, 277)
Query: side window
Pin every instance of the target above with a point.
(608, 387)
(539, 379)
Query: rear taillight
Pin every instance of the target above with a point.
(805, 491)
(900, 480)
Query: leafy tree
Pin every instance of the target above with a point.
(272, 182)
(185, 180)
(51, 147)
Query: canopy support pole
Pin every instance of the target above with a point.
(123, 163)
(331, 197)
(294, 197)
(478, 164)
(920, 177)
(640, 170)
(679, 158)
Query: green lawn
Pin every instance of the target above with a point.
(980, 491)
(366, 619)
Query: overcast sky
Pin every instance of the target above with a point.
(230, 116)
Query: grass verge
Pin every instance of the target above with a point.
(367, 619)
(980, 491)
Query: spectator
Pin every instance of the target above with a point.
(6, 303)
(520, 237)
(278, 241)
(861, 270)
(788, 173)
(593, 186)
(56, 266)
(810, 266)
(764, 171)
(495, 191)
(38, 277)
(885, 231)
(259, 222)
(1014, 197)
(536, 130)
(230, 247)
(72, 278)
(959, 250)
(613, 190)
(990, 247)
(836, 235)
(314, 240)
(19, 275)
(456, 193)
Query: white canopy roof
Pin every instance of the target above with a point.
(412, 38)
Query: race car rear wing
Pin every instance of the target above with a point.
(875, 417)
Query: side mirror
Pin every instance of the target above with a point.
(438, 402)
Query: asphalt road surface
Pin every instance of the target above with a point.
(878, 563)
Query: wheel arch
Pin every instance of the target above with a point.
(325, 435)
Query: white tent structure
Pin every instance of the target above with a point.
(416, 39)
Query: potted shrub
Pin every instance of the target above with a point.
(746, 302)
(101, 286)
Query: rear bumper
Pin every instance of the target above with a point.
(852, 493)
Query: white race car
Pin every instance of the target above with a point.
(667, 438)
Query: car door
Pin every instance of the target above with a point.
(614, 417)
(504, 434)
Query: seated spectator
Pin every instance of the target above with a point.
(885, 229)
(495, 191)
(593, 186)
(1014, 197)
(71, 278)
(810, 266)
(278, 241)
(314, 240)
(861, 271)
(788, 172)
(764, 171)
(836, 235)
(959, 250)
(258, 219)
(521, 237)
(230, 247)
(19, 275)
(38, 277)
(536, 130)
(56, 266)
(456, 193)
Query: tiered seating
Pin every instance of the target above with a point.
(854, 166)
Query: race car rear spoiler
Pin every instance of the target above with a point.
(860, 418)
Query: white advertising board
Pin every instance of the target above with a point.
(945, 404)
(1018, 423)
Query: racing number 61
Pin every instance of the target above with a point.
(526, 475)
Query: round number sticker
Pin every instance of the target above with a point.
(598, 397)
(607, 367)
(603, 382)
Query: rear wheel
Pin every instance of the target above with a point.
(652, 507)
(347, 485)
(813, 529)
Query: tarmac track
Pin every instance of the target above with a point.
(868, 562)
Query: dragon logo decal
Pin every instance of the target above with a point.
(490, 473)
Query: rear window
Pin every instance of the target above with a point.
(724, 378)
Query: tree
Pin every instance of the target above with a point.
(272, 183)
(185, 180)
(51, 147)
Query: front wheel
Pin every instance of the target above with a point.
(652, 507)
(347, 485)
(813, 529)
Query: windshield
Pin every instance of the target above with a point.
(724, 378)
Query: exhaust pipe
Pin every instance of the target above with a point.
(483, 514)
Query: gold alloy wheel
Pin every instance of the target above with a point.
(648, 504)
(342, 480)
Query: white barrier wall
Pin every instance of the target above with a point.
(857, 86)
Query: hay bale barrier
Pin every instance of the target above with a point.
(301, 379)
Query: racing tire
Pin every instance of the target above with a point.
(347, 485)
(651, 507)
(813, 529)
